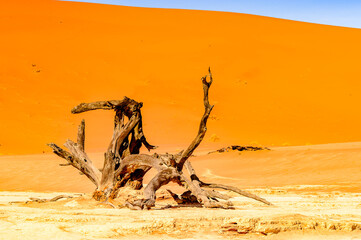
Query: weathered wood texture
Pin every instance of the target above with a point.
(81, 135)
(203, 125)
(124, 166)
(79, 160)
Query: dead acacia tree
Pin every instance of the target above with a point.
(124, 166)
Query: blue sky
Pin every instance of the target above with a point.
(332, 12)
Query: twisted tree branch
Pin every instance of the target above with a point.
(203, 125)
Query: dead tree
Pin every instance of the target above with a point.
(124, 166)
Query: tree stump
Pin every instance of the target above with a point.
(124, 166)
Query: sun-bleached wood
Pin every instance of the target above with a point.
(79, 160)
(124, 166)
(81, 135)
(203, 125)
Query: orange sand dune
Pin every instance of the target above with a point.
(275, 81)
(327, 167)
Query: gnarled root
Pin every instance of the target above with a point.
(236, 190)
(163, 177)
(196, 181)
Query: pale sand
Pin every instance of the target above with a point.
(315, 190)
(307, 215)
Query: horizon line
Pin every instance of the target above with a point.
(111, 3)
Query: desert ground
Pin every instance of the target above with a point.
(311, 200)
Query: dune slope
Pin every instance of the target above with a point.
(328, 167)
(276, 81)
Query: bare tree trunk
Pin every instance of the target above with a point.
(112, 156)
(203, 125)
(124, 166)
